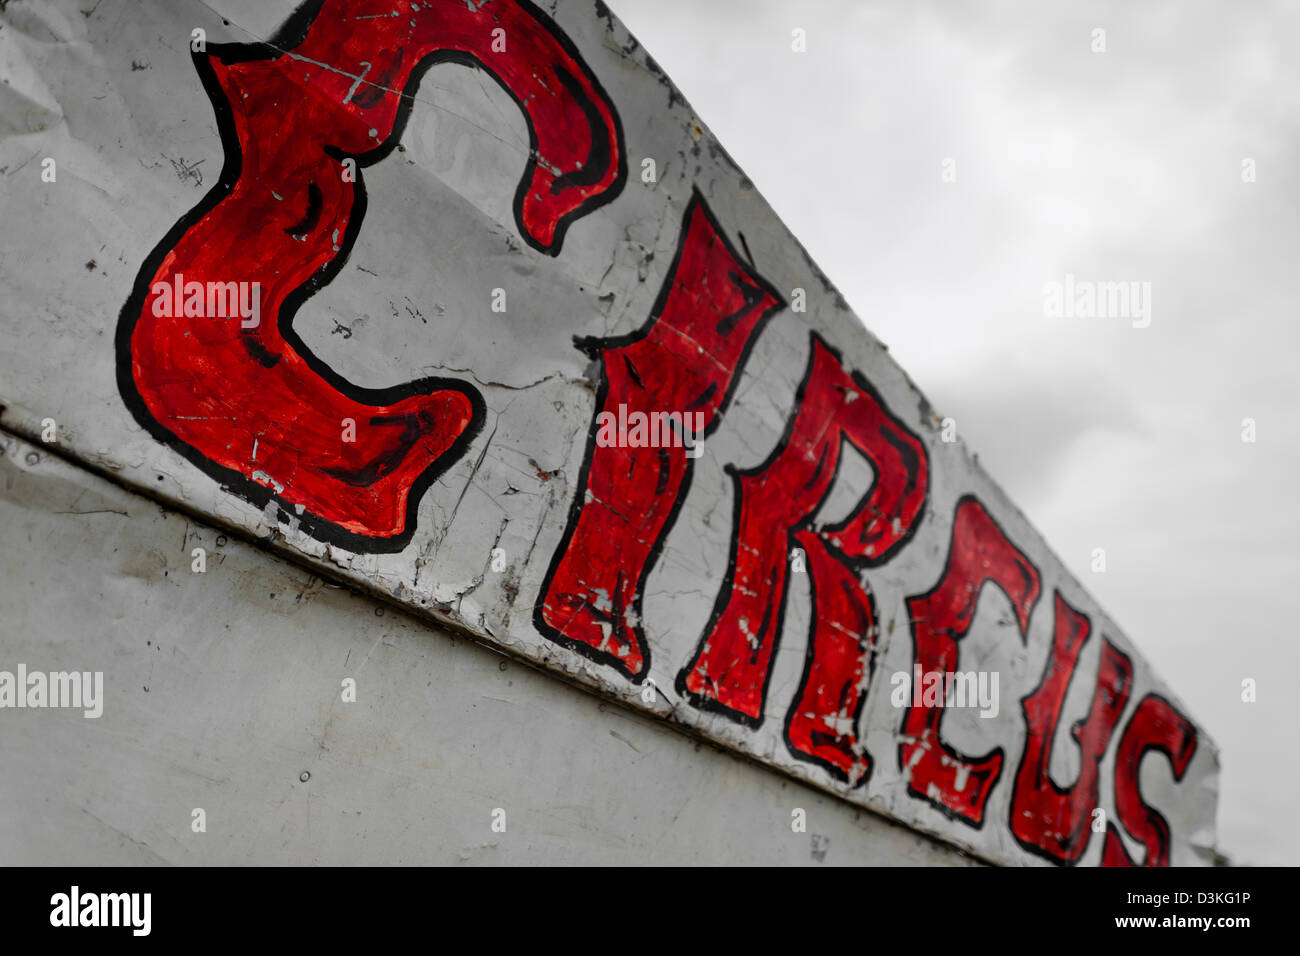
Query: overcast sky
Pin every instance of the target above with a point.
(1122, 165)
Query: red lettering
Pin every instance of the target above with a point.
(980, 553)
(685, 359)
(1155, 725)
(775, 505)
(1046, 819)
(243, 398)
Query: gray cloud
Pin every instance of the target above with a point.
(1122, 165)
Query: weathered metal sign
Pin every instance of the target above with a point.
(532, 358)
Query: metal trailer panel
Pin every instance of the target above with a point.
(222, 688)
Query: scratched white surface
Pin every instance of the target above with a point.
(114, 97)
(225, 711)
